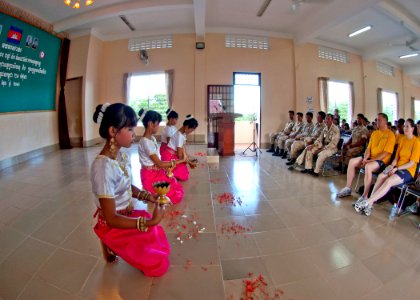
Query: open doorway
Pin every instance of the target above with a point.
(247, 101)
(73, 94)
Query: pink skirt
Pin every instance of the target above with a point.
(146, 251)
(181, 171)
(162, 149)
(150, 176)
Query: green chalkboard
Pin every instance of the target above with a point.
(28, 66)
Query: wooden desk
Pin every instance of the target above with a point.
(225, 129)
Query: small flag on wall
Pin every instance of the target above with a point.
(14, 35)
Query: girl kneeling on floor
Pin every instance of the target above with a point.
(132, 234)
(169, 129)
(153, 169)
(176, 149)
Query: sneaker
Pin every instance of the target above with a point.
(360, 206)
(361, 198)
(367, 211)
(346, 191)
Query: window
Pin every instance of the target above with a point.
(148, 91)
(385, 69)
(250, 42)
(333, 54)
(390, 105)
(146, 43)
(417, 110)
(339, 97)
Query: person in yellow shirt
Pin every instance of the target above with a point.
(418, 130)
(401, 170)
(377, 155)
(400, 130)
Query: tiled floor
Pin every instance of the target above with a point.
(289, 228)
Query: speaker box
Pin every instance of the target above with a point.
(200, 45)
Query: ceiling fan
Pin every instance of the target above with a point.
(294, 6)
(409, 44)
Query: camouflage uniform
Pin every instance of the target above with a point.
(325, 146)
(281, 139)
(358, 133)
(286, 131)
(306, 130)
(301, 144)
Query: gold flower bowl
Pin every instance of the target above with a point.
(193, 163)
(161, 188)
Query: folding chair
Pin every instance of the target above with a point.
(362, 171)
(408, 189)
(375, 174)
(332, 161)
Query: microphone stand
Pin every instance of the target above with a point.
(253, 146)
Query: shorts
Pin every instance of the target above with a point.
(404, 175)
(381, 164)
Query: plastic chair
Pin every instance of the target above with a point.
(408, 189)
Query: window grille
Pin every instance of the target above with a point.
(153, 42)
(249, 42)
(333, 54)
(385, 69)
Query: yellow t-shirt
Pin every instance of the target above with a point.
(398, 138)
(408, 150)
(382, 141)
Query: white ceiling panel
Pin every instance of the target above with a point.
(383, 30)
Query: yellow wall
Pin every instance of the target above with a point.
(375, 80)
(289, 74)
(86, 61)
(277, 76)
(410, 90)
(24, 132)
(309, 68)
(92, 90)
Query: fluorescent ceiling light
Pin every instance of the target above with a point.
(409, 55)
(360, 31)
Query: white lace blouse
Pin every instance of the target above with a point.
(112, 179)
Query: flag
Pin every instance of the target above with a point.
(14, 35)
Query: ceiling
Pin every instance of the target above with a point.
(326, 22)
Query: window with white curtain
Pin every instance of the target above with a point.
(148, 91)
(417, 109)
(390, 105)
(339, 97)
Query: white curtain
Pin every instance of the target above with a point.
(379, 99)
(323, 93)
(169, 76)
(126, 86)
